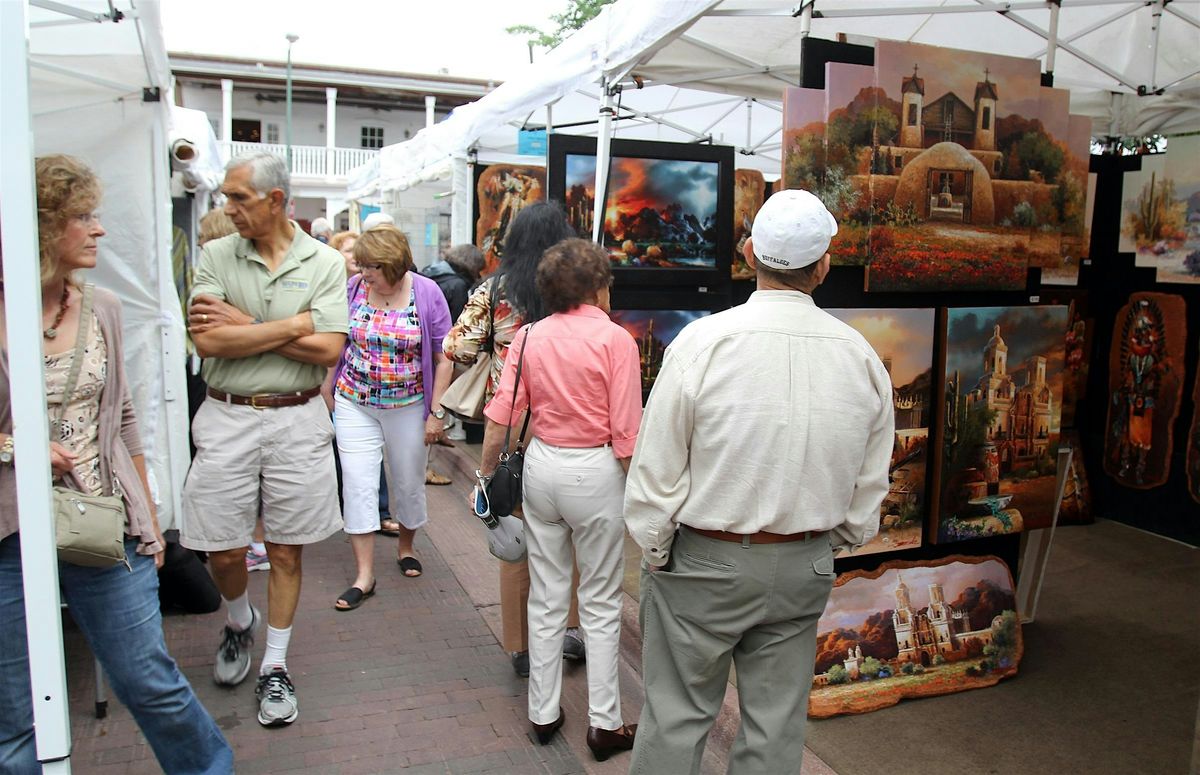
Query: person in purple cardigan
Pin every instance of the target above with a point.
(387, 394)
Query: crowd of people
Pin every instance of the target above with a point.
(763, 449)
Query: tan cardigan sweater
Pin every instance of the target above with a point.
(119, 439)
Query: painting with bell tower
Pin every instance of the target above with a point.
(1003, 372)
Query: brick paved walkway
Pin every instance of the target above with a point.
(413, 681)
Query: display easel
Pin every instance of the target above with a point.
(1035, 547)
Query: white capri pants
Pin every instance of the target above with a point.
(364, 434)
(574, 498)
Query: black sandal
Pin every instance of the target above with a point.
(409, 563)
(354, 597)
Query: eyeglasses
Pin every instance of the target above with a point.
(371, 267)
(88, 218)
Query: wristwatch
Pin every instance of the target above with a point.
(439, 413)
(6, 451)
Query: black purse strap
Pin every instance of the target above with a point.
(85, 322)
(513, 410)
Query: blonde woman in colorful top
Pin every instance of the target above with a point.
(387, 394)
(495, 310)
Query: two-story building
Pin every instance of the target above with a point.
(340, 120)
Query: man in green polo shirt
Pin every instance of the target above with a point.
(268, 315)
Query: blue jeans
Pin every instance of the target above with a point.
(118, 613)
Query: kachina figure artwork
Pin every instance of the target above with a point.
(1003, 373)
(654, 330)
(1160, 214)
(1193, 451)
(659, 213)
(502, 190)
(913, 629)
(903, 338)
(1145, 383)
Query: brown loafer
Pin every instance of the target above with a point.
(433, 477)
(605, 742)
(544, 732)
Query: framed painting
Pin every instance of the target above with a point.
(914, 629)
(1003, 371)
(1160, 212)
(903, 339)
(1193, 450)
(749, 193)
(668, 212)
(654, 330)
(1145, 383)
(501, 191)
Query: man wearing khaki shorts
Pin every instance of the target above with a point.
(268, 314)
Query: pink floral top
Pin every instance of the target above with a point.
(383, 354)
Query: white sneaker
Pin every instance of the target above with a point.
(276, 699)
(233, 656)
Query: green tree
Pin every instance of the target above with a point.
(1037, 151)
(578, 13)
(871, 667)
(805, 162)
(1069, 201)
(837, 675)
(1005, 634)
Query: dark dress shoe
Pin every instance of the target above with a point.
(544, 732)
(605, 742)
(520, 663)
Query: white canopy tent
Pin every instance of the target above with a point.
(90, 79)
(1133, 66)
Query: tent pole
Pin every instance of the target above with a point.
(1155, 27)
(1187, 18)
(1052, 38)
(806, 16)
(749, 114)
(603, 148)
(31, 431)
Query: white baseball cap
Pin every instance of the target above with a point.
(376, 219)
(792, 230)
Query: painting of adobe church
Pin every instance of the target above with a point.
(952, 170)
(1003, 373)
(501, 191)
(1160, 213)
(903, 339)
(914, 629)
(1145, 383)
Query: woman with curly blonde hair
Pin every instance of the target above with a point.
(97, 448)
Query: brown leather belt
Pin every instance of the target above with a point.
(267, 400)
(761, 537)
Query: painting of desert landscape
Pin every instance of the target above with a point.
(1004, 373)
(903, 339)
(1160, 213)
(659, 212)
(749, 192)
(910, 629)
(502, 190)
(653, 330)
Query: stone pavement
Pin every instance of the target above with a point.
(412, 681)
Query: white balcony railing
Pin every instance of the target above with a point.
(310, 161)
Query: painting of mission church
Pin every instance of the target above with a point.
(1003, 374)
(912, 629)
(903, 339)
(947, 170)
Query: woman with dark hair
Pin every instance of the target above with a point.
(580, 382)
(96, 447)
(496, 309)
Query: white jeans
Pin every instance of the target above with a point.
(364, 433)
(574, 498)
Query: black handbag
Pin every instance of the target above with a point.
(504, 488)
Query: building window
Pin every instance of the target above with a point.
(987, 119)
(898, 161)
(996, 166)
(247, 131)
(273, 133)
(372, 137)
(912, 114)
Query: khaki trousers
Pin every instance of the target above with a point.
(514, 604)
(756, 605)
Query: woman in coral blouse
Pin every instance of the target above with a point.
(580, 382)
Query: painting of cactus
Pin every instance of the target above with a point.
(1160, 219)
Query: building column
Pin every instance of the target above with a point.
(430, 101)
(227, 115)
(330, 129)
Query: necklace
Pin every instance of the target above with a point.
(52, 331)
(387, 300)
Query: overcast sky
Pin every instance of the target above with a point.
(466, 37)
